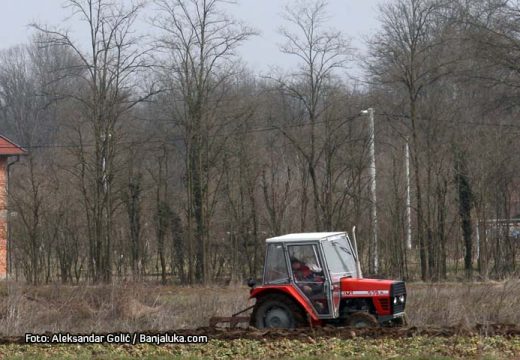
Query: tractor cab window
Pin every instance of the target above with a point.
(276, 266)
(306, 255)
(340, 256)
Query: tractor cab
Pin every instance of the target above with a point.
(317, 277)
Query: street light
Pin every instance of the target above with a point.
(408, 198)
(374, 261)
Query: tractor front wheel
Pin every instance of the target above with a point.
(277, 311)
(361, 319)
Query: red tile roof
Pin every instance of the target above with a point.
(7, 147)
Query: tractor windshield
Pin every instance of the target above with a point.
(339, 256)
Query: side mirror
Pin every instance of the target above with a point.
(251, 283)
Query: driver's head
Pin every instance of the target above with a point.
(296, 264)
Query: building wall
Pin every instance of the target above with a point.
(3, 217)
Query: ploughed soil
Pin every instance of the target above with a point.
(507, 330)
(312, 334)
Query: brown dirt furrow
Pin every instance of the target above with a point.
(310, 334)
(348, 333)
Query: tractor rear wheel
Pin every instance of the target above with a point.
(277, 311)
(361, 319)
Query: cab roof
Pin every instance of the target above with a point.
(303, 237)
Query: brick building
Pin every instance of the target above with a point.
(8, 149)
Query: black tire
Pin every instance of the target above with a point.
(361, 319)
(277, 311)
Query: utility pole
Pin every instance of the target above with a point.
(408, 198)
(374, 261)
(477, 235)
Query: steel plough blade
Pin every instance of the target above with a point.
(233, 321)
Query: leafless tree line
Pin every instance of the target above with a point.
(168, 157)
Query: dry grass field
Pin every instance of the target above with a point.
(144, 306)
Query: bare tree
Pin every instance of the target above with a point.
(200, 42)
(406, 53)
(28, 114)
(320, 52)
(108, 74)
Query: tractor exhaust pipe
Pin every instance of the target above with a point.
(358, 263)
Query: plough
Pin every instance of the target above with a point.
(232, 320)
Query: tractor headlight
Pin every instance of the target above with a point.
(395, 301)
(402, 299)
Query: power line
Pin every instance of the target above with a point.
(246, 132)
(180, 138)
(458, 122)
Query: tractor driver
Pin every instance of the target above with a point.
(302, 273)
(311, 284)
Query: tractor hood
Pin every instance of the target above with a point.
(387, 296)
(353, 287)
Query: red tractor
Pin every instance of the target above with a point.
(315, 279)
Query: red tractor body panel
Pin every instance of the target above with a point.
(378, 290)
(291, 291)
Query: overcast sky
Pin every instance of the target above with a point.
(356, 18)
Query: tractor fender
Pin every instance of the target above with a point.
(289, 291)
